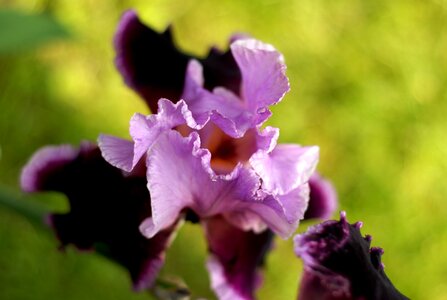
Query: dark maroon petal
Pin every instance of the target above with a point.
(236, 257)
(106, 208)
(151, 64)
(220, 69)
(339, 264)
(322, 198)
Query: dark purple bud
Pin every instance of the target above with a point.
(339, 264)
(106, 208)
(151, 64)
(236, 257)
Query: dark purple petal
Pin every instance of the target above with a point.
(236, 257)
(149, 61)
(151, 64)
(322, 200)
(106, 208)
(339, 264)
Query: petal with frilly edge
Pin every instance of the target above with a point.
(178, 159)
(235, 258)
(144, 131)
(282, 213)
(285, 167)
(339, 264)
(99, 195)
(223, 106)
(264, 81)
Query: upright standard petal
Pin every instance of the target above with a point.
(223, 106)
(235, 259)
(106, 208)
(151, 64)
(149, 61)
(264, 81)
(340, 265)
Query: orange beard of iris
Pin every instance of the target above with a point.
(226, 152)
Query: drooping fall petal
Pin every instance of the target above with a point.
(235, 259)
(106, 208)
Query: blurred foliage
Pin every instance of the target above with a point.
(20, 31)
(368, 86)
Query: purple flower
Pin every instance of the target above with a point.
(203, 157)
(151, 64)
(207, 157)
(106, 208)
(340, 265)
(206, 152)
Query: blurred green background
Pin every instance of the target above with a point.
(368, 83)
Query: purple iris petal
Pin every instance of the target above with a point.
(264, 83)
(238, 192)
(236, 257)
(145, 130)
(223, 106)
(285, 167)
(106, 208)
(339, 264)
(323, 198)
(152, 65)
(181, 160)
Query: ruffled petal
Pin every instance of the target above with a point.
(224, 108)
(323, 198)
(281, 213)
(264, 82)
(106, 208)
(181, 160)
(286, 167)
(235, 259)
(144, 131)
(339, 264)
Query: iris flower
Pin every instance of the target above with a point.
(203, 156)
(339, 264)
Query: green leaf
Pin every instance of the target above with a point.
(28, 209)
(20, 31)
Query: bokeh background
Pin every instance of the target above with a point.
(368, 83)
